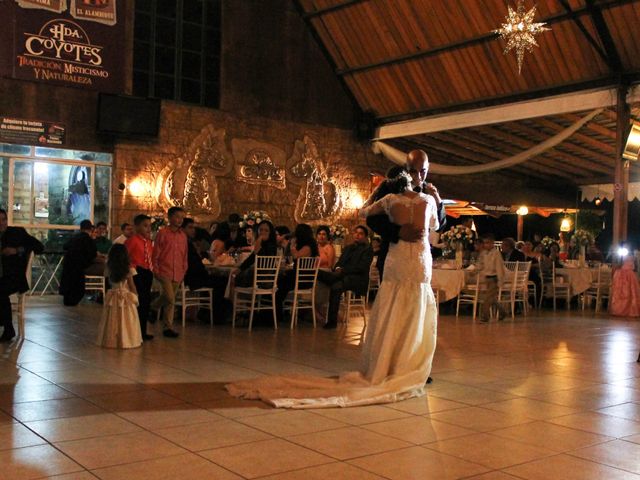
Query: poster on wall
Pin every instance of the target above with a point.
(80, 43)
(31, 132)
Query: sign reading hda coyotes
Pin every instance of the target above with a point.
(63, 48)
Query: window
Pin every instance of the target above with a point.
(176, 53)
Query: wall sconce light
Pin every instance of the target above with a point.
(632, 147)
(522, 211)
(356, 201)
(138, 188)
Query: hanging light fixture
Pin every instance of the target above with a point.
(522, 211)
(565, 225)
(520, 30)
(597, 200)
(632, 147)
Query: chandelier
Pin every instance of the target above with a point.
(520, 30)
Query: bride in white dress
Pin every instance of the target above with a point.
(400, 339)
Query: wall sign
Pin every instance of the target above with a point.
(81, 46)
(31, 132)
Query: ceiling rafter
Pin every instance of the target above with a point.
(595, 11)
(604, 148)
(594, 43)
(331, 9)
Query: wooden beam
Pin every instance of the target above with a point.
(546, 166)
(553, 155)
(593, 126)
(594, 44)
(614, 62)
(556, 105)
(598, 161)
(604, 148)
(480, 39)
(334, 8)
(621, 183)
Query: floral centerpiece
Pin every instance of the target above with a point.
(457, 237)
(337, 232)
(582, 238)
(547, 242)
(254, 217)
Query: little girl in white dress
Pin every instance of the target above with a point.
(120, 327)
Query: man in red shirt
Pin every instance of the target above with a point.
(169, 262)
(140, 251)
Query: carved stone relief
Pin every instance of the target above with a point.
(189, 180)
(259, 163)
(319, 199)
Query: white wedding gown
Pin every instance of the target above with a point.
(400, 339)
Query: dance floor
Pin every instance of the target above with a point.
(544, 397)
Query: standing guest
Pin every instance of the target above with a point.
(81, 256)
(265, 245)
(492, 273)
(376, 243)
(350, 273)
(127, 232)
(283, 237)
(169, 266)
(119, 326)
(103, 244)
(302, 245)
(509, 252)
(16, 246)
(327, 252)
(140, 250)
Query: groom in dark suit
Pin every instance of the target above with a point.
(417, 166)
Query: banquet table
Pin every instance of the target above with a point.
(578, 278)
(449, 282)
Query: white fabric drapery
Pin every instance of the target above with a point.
(399, 157)
(605, 191)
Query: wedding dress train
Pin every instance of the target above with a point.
(400, 339)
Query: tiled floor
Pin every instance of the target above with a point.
(546, 397)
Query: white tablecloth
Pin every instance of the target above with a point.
(578, 278)
(448, 282)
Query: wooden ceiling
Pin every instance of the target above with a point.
(405, 59)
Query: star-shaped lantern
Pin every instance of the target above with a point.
(520, 30)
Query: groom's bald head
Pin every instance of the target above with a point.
(418, 166)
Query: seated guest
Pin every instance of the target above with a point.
(519, 245)
(265, 245)
(80, 258)
(103, 244)
(238, 239)
(212, 228)
(140, 249)
(509, 252)
(196, 275)
(350, 273)
(594, 254)
(492, 271)
(127, 232)
(16, 246)
(220, 240)
(326, 250)
(302, 245)
(283, 237)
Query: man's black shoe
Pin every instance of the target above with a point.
(170, 334)
(147, 336)
(429, 380)
(330, 325)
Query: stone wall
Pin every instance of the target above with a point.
(192, 159)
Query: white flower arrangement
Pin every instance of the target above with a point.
(337, 232)
(254, 217)
(547, 242)
(458, 235)
(582, 238)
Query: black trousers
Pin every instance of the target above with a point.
(143, 281)
(7, 288)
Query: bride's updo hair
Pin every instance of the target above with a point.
(400, 183)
